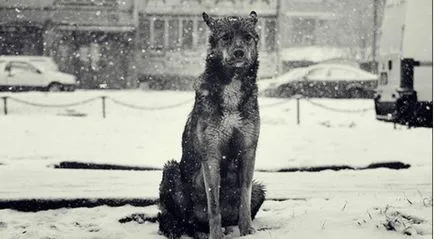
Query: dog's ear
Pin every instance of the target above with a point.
(253, 16)
(209, 20)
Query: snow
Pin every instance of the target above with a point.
(141, 133)
(326, 204)
(317, 218)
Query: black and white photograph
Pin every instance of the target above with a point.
(131, 119)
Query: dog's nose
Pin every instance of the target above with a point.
(238, 53)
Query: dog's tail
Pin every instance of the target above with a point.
(171, 216)
(258, 197)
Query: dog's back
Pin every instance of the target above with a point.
(221, 133)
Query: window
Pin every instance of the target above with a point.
(323, 33)
(158, 39)
(187, 34)
(201, 33)
(259, 31)
(21, 66)
(383, 78)
(95, 54)
(83, 53)
(144, 33)
(322, 23)
(303, 31)
(173, 34)
(270, 35)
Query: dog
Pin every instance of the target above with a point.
(212, 186)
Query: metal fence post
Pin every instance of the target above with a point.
(298, 109)
(103, 105)
(5, 105)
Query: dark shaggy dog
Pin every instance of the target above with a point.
(212, 185)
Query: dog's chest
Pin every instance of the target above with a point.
(232, 95)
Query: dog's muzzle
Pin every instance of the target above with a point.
(238, 58)
(238, 54)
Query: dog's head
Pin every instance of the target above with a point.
(234, 40)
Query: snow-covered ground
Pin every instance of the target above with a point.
(326, 204)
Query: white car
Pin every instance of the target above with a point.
(33, 73)
(322, 80)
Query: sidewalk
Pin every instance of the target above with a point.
(50, 183)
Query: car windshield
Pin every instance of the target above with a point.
(294, 74)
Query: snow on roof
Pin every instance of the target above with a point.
(311, 53)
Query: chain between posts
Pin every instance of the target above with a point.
(351, 111)
(103, 104)
(5, 100)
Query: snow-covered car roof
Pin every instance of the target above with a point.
(297, 74)
(44, 62)
(335, 71)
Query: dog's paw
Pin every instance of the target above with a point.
(218, 234)
(229, 230)
(200, 235)
(247, 230)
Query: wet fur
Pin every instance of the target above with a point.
(212, 186)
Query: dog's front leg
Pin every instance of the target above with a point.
(248, 153)
(245, 218)
(211, 176)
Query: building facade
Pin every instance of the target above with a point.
(173, 37)
(116, 43)
(112, 43)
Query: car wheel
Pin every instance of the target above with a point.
(70, 88)
(55, 87)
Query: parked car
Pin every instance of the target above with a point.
(33, 73)
(322, 80)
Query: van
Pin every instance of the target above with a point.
(404, 92)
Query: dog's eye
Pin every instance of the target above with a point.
(248, 37)
(226, 37)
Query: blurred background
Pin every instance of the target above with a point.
(125, 43)
(373, 49)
